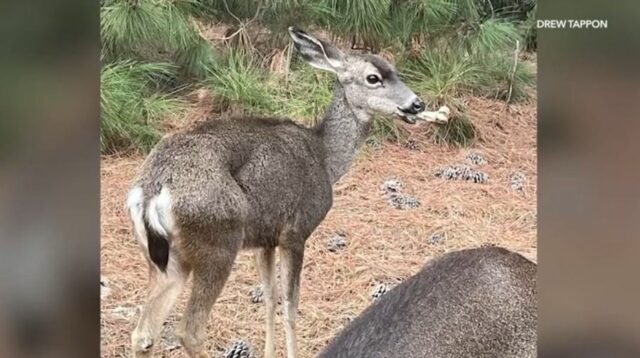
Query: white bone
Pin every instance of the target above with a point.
(439, 116)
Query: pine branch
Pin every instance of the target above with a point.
(242, 25)
(226, 6)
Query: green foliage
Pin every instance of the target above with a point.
(528, 28)
(366, 21)
(467, 11)
(197, 8)
(304, 94)
(481, 63)
(238, 81)
(444, 49)
(494, 36)
(479, 60)
(131, 106)
(232, 10)
(440, 72)
(385, 129)
(154, 30)
(507, 9)
(411, 17)
(280, 14)
(505, 79)
(459, 131)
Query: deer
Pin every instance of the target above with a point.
(470, 303)
(252, 183)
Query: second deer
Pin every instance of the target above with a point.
(466, 304)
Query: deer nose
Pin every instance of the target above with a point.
(416, 107)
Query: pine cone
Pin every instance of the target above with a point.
(391, 186)
(517, 180)
(337, 242)
(239, 349)
(256, 294)
(462, 172)
(437, 238)
(476, 158)
(403, 202)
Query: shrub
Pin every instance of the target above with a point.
(480, 59)
(240, 83)
(131, 107)
(528, 28)
(386, 129)
(480, 62)
(304, 94)
(411, 18)
(457, 131)
(365, 22)
(152, 31)
(445, 49)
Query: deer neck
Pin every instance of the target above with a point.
(343, 130)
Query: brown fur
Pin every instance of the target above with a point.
(249, 183)
(465, 304)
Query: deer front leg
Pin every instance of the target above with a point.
(265, 262)
(290, 268)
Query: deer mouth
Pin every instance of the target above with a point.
(406, 117)
(441, 116)
(409, 119)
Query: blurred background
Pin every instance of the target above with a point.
(50, 143)
(589, 200)
(49, 147)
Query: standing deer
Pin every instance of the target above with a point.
(465, 304)
(204, 194)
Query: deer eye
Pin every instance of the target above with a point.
(373, 79)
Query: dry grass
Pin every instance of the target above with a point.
(383, 243)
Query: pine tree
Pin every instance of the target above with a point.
(444, 49)
(154, 31)
(131, 105)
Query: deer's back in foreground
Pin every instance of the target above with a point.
(470, 303)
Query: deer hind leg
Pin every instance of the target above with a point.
(290, 269)
(212, 261)
(165, 287)
(265, 262)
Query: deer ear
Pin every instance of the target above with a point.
(316, 52)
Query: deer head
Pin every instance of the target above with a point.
(371, 84)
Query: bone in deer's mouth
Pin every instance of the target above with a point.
(439, 116)
(406, 117)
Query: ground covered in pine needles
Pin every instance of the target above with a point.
(399, 206)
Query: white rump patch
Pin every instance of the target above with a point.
(160, 219)
(159, 213)
(135, 201)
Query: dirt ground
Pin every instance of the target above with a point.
(383, 244)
